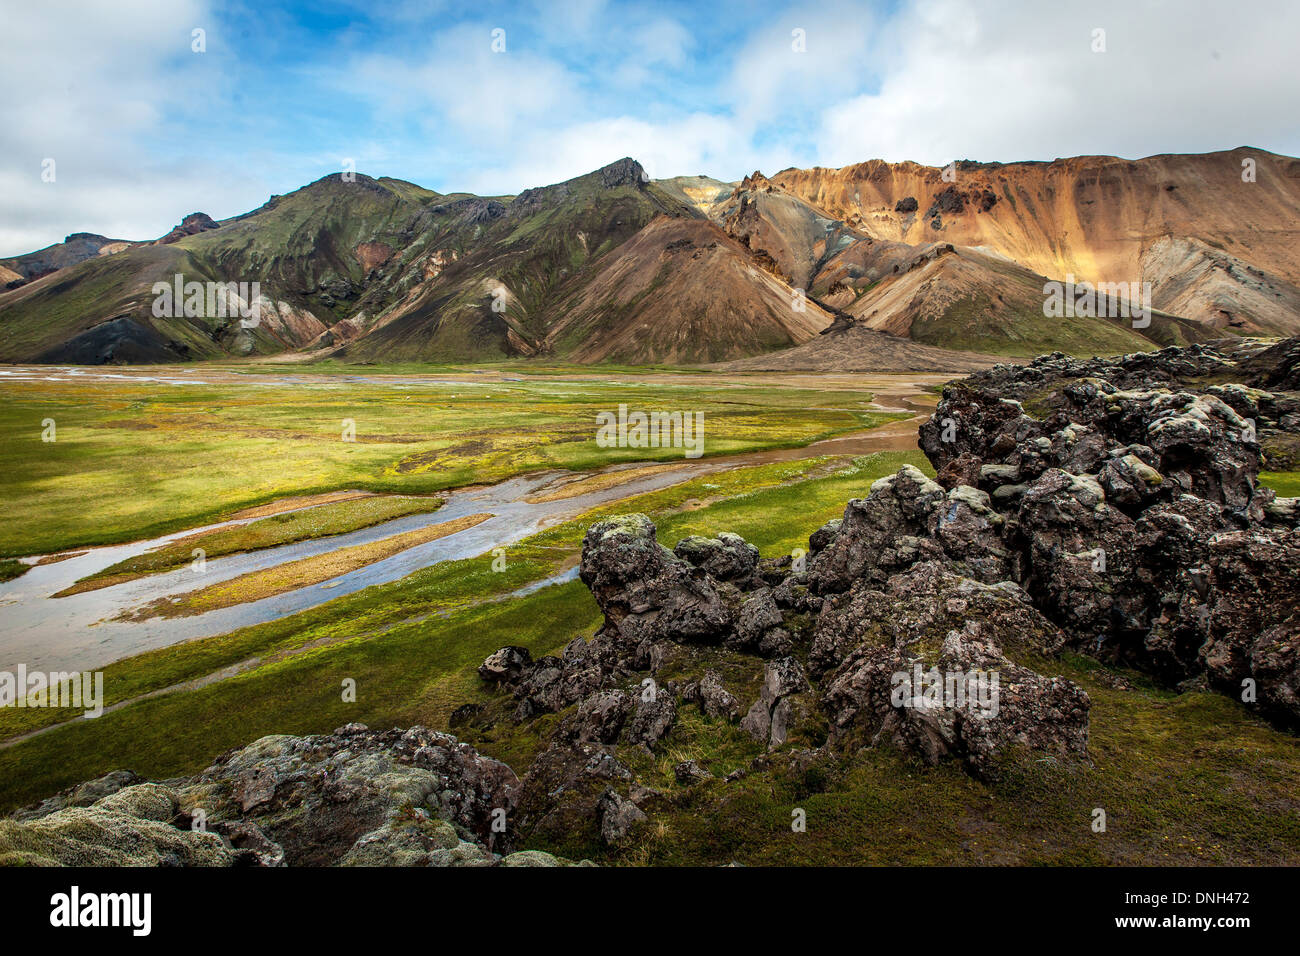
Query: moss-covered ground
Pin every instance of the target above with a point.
(132, 460)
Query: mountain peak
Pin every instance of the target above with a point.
(618, 174)
(195, 222)
(624, 172)
(351, 179)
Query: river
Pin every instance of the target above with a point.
(77, 632)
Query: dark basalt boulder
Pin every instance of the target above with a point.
(1169, 587)
(506, 665)
(645, 591)
(81, 795)
(712, 697)
(317, 796)
(726, 557)
(965, 700)
(561, 794)
(905, 519)
(1078, 546)
(1253, 619)
(875, 647)
(653, 716)
(928, 600)
(769, 718)
(1276, 368)
(618, 816)
(1131, 503)
(758, 617)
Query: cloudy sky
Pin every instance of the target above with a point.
(143, 129)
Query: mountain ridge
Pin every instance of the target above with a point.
(1101, 219)
(590, 269)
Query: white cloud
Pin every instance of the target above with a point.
(143, 131)
(1022, 82)
(485, 96)
(89, 85)
(660, 47)
(693, 144)
(770, 78)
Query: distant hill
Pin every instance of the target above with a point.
(77, 247)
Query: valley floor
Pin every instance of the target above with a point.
(300, 593)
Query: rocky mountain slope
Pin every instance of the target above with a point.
(1217, 240)
(962, 297)
(952, 286)
(613, 267)
(307, 251)
(77, 247)
(681, 291)
(604, 266)
(1109, 508)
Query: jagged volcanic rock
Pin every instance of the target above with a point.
(354, 797)
(902, 582)
(1132, 496)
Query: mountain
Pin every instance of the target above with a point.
(311, 252)
(965, 298)
(485, 278)
(1216, 234)
(614, 267)
(937, 293)
(604, 267)
(681, 291)
(77, 247)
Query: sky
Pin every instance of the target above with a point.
(144, 123)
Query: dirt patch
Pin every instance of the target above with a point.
(297, 502)
(56, 558)
(855, 348)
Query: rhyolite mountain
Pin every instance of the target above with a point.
(1215, 233)
(857, 263)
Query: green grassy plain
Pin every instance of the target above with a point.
(440, 593)
(433, 628)
(1285, 483)
(134, 460)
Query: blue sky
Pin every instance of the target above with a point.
(417, 90)
(144, 130)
